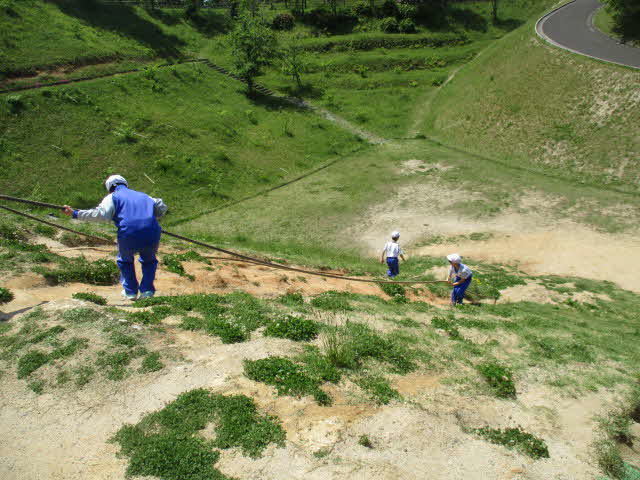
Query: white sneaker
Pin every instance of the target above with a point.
(147, 294)
(128, 296)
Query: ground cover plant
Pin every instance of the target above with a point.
(66, 349)
(165, 443)
(97, 272)
(516, 439)
(90, 297)
(293, 328)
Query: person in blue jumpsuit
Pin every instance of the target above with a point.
(135, 214)
(460, 278)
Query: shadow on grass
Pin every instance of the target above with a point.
(272, 103)
(508, 23)
(124, 20)
(306, 91)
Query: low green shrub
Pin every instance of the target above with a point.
(396, 291)
(500, 379)
(172, 262)
(291, 299)
(515, 439)
(407, 12)
(90, 297)
(5, 295)
(293, 328)
(37, 386)
(70, 348)
(365, 441)
(283, 21)
(446, 325)
(98, 272)
(609, 459)
(616, 425)
(15, 103)
(287, 377)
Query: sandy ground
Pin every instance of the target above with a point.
(528, 236)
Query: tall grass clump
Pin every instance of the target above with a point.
(5, 295)
(499, 378)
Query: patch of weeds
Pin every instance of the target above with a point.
(151, 363)
(291, 299)
(99, 272)
(172, 262)
(193, 323)
(318, 366)
(448, 326)
(245, 311)
(30, 362)
(365, 441)
(5, 295)
(333, 301)
(616, 425)
(378, 388)
(4, 328)
(47, 334)
(63, 377)
(227, 332)
(83, 374)
(293, 328)
(114, 364)
(119, 338)
(37, 386)
(287, 377)
(81, 315)
(515, 439)
(151, 317)
(71, 347)
(500, 379)
(396, 291)
(90, 297)
(165, 444)
(608, 458)
(405, 322)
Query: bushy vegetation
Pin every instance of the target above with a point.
(378, 389)
(5, 295)
(332, 300)
(166, 444)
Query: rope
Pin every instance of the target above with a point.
(206, 245)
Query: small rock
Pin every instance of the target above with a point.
(136, 327)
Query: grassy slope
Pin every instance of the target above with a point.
(86, 32)
(191, 130)
(530, 104)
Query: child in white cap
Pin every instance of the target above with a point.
(459, 277)
(391, 252)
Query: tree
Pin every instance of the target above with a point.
(494, 10)
(294, 62)
(253, 46)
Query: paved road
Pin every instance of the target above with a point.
(571, 27)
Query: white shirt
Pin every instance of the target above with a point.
(463, 272)
(392, 249)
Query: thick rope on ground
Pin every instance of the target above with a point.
(206, 245)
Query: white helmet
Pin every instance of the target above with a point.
(454, 258)
(395, 234)
(114, 180)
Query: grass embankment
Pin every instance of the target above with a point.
(530, 104)
(37, 35)
(186, 134)
(373, 78)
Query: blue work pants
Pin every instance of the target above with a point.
(457, 294)
(148, 260)
(394, 267)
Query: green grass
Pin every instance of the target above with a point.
(5, 295)
(211, 148)
(499, 378)
(97, 272)
(151, 363)
(30, 362)
(378, 389)
(165, 444)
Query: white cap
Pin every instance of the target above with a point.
(395, 234)
(114, 180)
(454, 257)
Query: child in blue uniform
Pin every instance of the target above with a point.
(391, 252)
(135, 214)
(460, 278)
